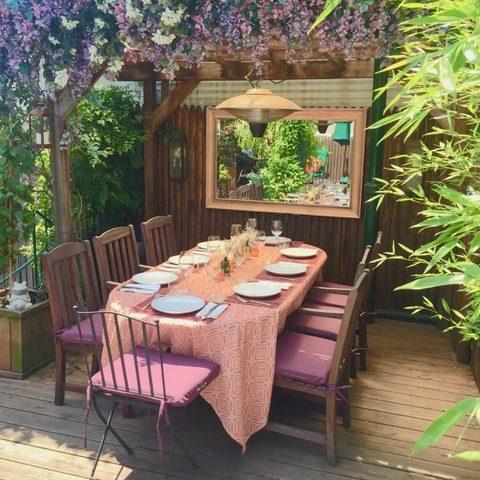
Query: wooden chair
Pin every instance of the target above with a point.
(140, 374)
(71, 280)
(159, 239)
(116, 251)
(319, 367)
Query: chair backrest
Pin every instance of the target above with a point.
(374, 252)
(130, 372)
(346, 335)
(71, 280)
(363, 264)
(159, 239)
(116, 251)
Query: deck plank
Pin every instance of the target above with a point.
(412, 378)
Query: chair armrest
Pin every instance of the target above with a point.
(340, 291)
(144, 268)
(111, 285)
(320, 312)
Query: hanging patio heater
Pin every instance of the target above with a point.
(259, 107)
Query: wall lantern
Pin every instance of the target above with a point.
(258, 107)
(176, 143)
(39, 127)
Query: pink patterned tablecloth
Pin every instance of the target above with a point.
(242, 340)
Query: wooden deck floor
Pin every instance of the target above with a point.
(412, 377)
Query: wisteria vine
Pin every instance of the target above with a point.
(45, 44)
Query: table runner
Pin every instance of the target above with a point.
(242, 340)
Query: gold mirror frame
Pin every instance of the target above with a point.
(356, 115)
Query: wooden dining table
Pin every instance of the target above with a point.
(242, 340)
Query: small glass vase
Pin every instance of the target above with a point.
(226, 267)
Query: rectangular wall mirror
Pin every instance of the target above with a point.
(310, 163)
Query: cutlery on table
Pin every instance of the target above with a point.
(251, 300)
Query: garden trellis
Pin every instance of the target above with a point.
(57, 49)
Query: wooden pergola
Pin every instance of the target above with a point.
(218, 66)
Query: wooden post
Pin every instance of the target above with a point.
(150, 146)
(61, 182)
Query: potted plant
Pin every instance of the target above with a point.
(25, 323)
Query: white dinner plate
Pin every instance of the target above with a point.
(299, 252)
(210, 245)
(286, 269)
(194, 259)
(256, 290)
(154, 278)
(178, 304)
(273, 240)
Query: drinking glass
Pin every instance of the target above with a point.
(213, 243)
(235, 230)
(185, 265)
(213, 268)
(277, 229)
(252, 223)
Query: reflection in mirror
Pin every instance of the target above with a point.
(304, 162)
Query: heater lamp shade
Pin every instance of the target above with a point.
(259, 105)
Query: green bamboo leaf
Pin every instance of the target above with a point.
(433, 281)
(445, 422)
(446, 75)
(330, 6)
(471, 456)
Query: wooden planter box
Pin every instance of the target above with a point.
(26, 343)
(475, 364)
(462, 349)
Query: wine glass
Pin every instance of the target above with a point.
(252, 223)
(213, 243)
(213, 269)
(185, 264)
(277, 229)
(235, 230)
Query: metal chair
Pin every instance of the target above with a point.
(71, 280)
(135, 370)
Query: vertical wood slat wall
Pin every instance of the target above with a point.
(342, 239)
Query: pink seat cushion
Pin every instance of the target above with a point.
(327, 298)
(185, 377)
(324, 327)
(71, 334)
(304, 358)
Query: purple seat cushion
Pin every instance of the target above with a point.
(71, 334)
(304, 358)
(326, 298)
(185, 377)
(324, 327)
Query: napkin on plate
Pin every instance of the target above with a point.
(282, 285)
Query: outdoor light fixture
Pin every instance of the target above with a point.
(38, 125)
(258, 107)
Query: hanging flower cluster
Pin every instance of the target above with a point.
(45, 44)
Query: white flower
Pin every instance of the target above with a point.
(53, 40)
(61, 78)
(99, 23)
(73, 52)
(115, 66)
(171, 18)
(69, 24)
(160, 39)
(134, 15)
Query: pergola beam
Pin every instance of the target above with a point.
(225, 69)
(169, 104)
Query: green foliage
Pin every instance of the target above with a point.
(107, 160)
(223, 174)
(282, 175)
(468, 407)
(16, 165)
